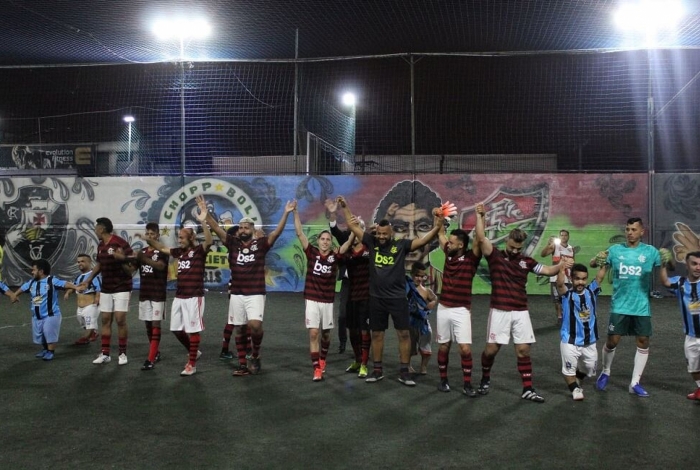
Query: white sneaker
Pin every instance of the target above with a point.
(102, 359)
(189, 370)
(122, 359)
(577, 394)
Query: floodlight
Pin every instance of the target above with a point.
(129, 119)
(349, 99)
(181, 28)
(649, 16)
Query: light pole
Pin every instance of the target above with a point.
(129, 119)
(350, 100)
(182, 28)
(644, 21)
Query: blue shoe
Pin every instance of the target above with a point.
(41, 354)
(602, 381)
(637, 389)
(48, 356)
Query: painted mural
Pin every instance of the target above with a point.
(53, 218)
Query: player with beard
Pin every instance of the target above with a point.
(632, 265)
(687, 292)
(579, 326)
(319, 293)
(508, 314)
(454, 308)
(88, 301)
(186, 319)
(388, 288)
(246, 257)
(116, 287)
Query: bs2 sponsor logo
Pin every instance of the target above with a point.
(321, 269)
(630, 270)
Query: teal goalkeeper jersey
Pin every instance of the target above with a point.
(632, 271)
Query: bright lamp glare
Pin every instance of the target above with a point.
(181, 28)
(649, 16)
(129, 119)
(349, 99)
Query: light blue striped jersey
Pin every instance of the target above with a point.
(44, 296)
(579, 324)
(689, 302)
(95, 285)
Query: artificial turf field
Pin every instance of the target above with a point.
(69, 413)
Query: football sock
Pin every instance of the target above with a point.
(442, 360)
(194, 347)
(154, 344)
(640, 362)
(525, 370)
(225, 344)
(314, 360)
(325, 345)
(241, 342)
(486, 364)
(149, 329)
(467, 364)
(122, 345)
(256, 339)
(608, 356)
(106, 339)
(366, 342)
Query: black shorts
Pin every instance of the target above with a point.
(358, 315)
(380, 309)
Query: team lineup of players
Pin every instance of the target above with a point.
(372, 261)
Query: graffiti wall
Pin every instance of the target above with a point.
(53, 218)
(677, 212)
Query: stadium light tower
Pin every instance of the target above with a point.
(129, 119)
(182, 29)
(647, 19)
(349, 99)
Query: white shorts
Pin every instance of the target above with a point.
(692, 353)
(319, 315)
(47, 328)
(454, 324)
(503, 324)
(583, 358)
(117, 302)
(87, 316)
(244, 308)
(151, 311)
(187, 315)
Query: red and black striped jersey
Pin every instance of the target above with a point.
(457, 278)
(190, 271)
(154, 283)
(247, 263)
(321, 274)
(114, 278)
(509, 280)
(358, 273)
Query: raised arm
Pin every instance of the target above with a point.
(480, 230)
(202, 216)
(289, 207)
(346, 246)
(666, 262)
(353, 224)
(158, 245)
(549, 248)
(600, 275)
(300, 230)
(442, 236)
(561, 281)
(437, 225)
(215, 227)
